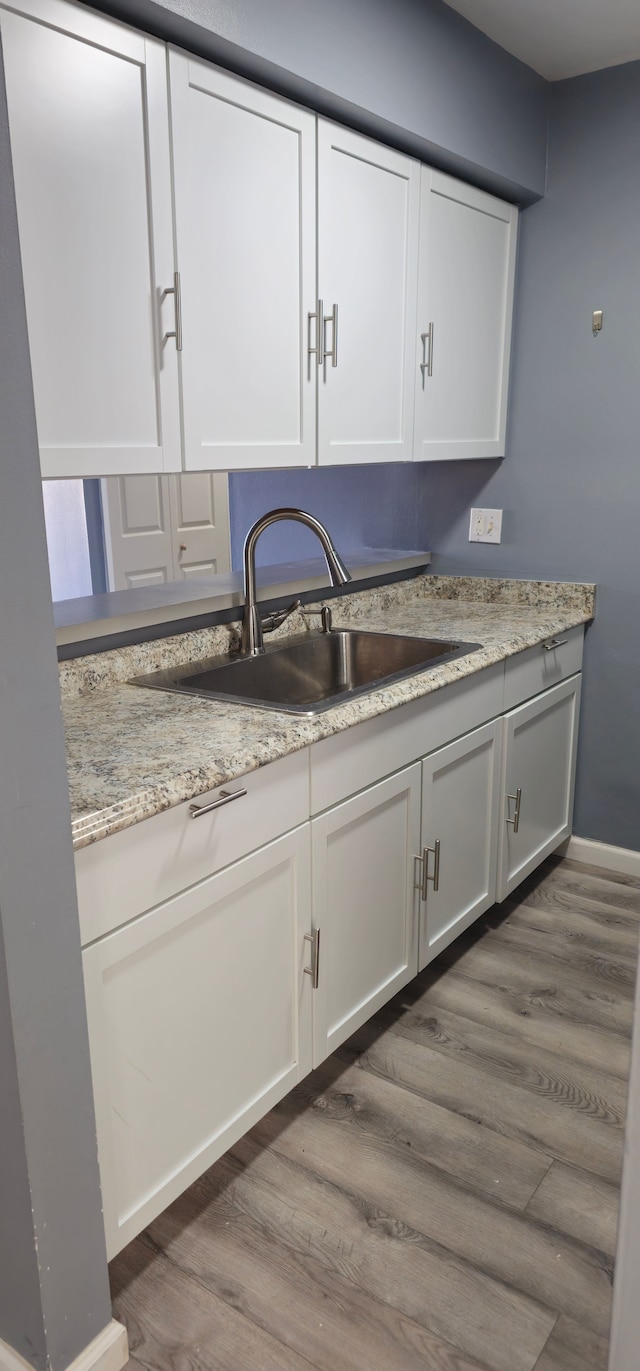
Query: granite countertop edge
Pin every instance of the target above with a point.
(137, 777)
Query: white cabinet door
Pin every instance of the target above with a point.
(90, 143)
(465, 303)
(199, 1021)
(364, 904)
(244, 180)
(538, 777)
(368, 209)
(460, 807)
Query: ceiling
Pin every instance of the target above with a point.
(560, 38)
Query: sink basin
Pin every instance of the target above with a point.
(311, 672)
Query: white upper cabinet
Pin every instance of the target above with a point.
(217, 280)
(90, 144)
(368, 211)
(465, 302)
(244, 180)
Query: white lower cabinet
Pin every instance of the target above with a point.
(217, 976)
(199, 1021)
(457, 868)
(538, 778)
(364, 904)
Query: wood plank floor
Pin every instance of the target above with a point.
(442, 1193)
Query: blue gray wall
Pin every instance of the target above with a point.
(570, 484)
(411, 72)
(54, 1293)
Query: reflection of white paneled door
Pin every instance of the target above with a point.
(165, 528)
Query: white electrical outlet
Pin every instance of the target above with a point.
(485, 526)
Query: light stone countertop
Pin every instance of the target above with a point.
(133, 752)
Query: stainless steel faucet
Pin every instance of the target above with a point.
(252, 626)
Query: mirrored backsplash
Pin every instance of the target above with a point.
(127, 532)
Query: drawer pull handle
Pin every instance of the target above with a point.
(226, 796)
(314, 970)
(422, 885)
(516, 815)
(554, 643)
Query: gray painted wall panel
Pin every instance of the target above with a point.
(20, 1309)
(54, 1296)
(412, 72)
(570, 484)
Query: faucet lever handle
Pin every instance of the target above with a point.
(278, 616)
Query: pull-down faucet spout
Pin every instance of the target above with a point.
(252, 642)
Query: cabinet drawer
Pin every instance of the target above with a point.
(132, 871)
(347, 762)
(542, 666)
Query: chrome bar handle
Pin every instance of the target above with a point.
(314, 970)
(331, 352)
(436, 865)
(319, 318)
(426, 365)
(423, 884)
(554, 643)
(516, 814)
(177, 297)
(226, 796)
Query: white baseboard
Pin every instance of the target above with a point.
(108, 1352)
(624, 860)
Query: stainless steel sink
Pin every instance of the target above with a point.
(311, 672)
